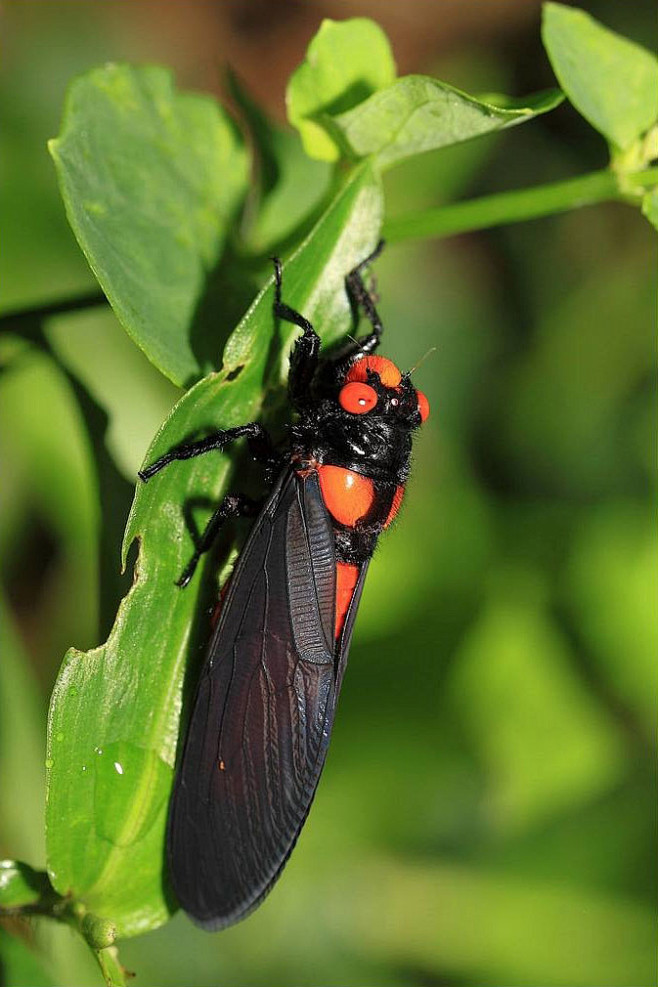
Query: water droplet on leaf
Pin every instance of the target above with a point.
(131, 786)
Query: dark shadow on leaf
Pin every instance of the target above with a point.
(191, 508)
(260, 132)
(247, 478)
(228, 292)
(356, 93)
(116, 496)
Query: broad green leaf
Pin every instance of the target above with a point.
(418, 114)
(151, 179)
(419, 184)
(650, 207)
(113, 725)
(610, 80)
(346, 62)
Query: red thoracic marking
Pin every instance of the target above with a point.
(389, 374)
(423, 406)
(346, 577)
(395, 506)
(348, 496)
(357, 398)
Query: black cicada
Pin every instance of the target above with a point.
(266, 699)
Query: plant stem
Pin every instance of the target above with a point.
(108, 960)
(99, 934)
(26, 318)
(519, 205)
(443, 221)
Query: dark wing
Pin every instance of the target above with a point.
(263, 713)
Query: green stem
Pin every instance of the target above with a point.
(108, 960)
(462, 217)
(521, 204)
(45, 902)
(25, 319)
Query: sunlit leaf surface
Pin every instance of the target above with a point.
(151, 179)
(345, 63)
(609, 79)
(418, 114)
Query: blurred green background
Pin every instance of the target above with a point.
(487, 813)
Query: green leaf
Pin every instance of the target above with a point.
(610, 80)
(346, 62)
(418, 114)
(113, 724)
(151, 179)
(650, 207)
(21, 885)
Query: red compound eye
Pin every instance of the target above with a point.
(423, 406)
(357, 398)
